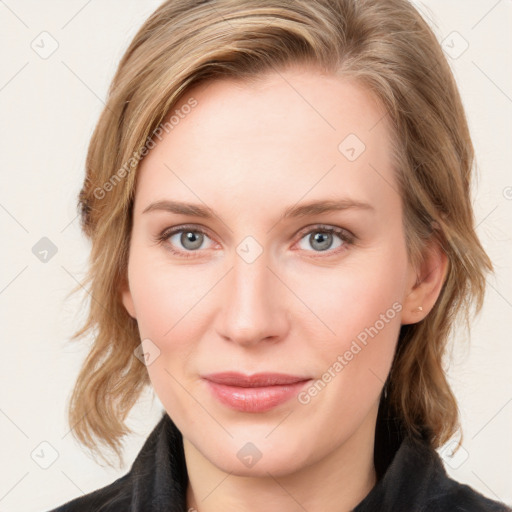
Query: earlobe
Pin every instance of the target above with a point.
(430, 276)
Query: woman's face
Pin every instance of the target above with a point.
(254, 279)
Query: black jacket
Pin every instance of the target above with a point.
(412, 480)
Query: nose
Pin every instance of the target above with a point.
(253, 305)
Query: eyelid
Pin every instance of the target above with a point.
(167, 232)
(164, 236)
(346, 236)
(343, 233)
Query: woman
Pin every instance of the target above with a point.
(278, 199)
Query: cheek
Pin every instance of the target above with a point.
(165, 301)
(361, 305)
(364, 291)
(164, 295)
(352, 364)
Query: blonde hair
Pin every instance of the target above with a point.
(384, 45)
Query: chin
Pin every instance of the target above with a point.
(276, 463)
(249, 453)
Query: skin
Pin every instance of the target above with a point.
(249, 151)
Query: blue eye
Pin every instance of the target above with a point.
(187, 241)
(322, 238)
(191, 239)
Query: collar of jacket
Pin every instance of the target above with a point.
(410, 479)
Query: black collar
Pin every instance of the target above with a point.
(413, 481)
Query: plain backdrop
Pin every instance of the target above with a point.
(51, 94)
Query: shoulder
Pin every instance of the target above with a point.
(111, 498)
(416, 479)
(156, 478)
(456, 497)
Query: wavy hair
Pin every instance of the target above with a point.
(385, 46)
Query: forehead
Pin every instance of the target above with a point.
(289, 135)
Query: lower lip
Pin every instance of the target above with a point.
(257, 399)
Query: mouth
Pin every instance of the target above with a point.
(254, 393)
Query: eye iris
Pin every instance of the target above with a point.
(323, 238)
(193, 238)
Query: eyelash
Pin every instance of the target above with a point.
(346, 237)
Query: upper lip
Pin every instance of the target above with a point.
(255, 380)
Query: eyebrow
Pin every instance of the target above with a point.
(301, 210)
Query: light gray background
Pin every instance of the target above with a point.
(49, 107)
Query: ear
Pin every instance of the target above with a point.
(425, 284)
(127, 299)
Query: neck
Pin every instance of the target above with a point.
(337, 482)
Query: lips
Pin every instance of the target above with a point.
(254, 393)
(253, 381)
